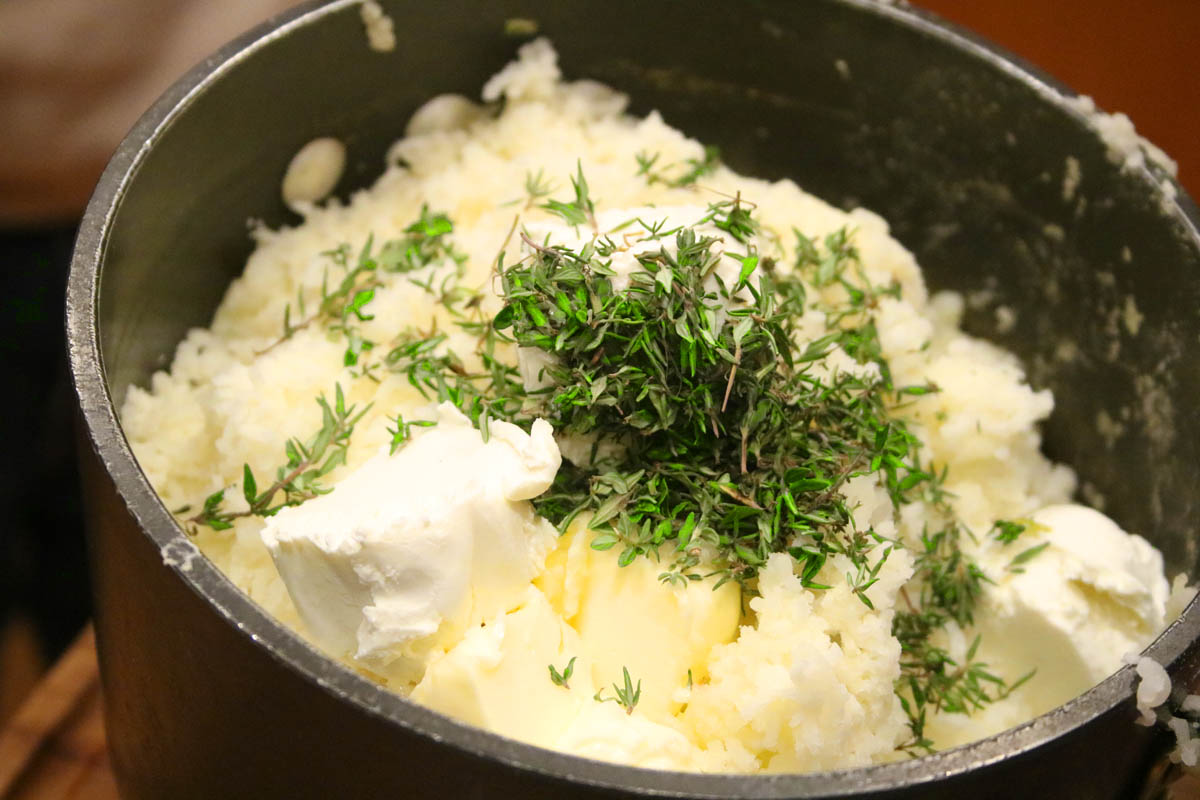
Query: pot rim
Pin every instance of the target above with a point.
(286, 647)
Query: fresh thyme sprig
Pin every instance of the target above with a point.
(933, 680)
(355, 290)
(425, 242)
(1006, 532)
(537, 186)
(299, 478)
(950, 586)
(494, 392)
(697, 168)
(402, 433)
(579, 211)
(625, 696)
(561, 678)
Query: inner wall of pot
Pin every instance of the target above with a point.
(1089, 280)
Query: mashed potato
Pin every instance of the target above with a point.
(778, 677)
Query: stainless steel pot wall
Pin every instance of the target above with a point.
(962, 149)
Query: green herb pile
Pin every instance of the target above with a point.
(719, 438)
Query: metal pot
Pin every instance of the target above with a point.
(960, 146)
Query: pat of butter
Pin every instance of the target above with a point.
(628, 619)
(498, 676)
(412, 549)
(605, 732)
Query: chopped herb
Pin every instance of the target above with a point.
(402, 433)
(581, 210)
(646, 162)
(561, 678)
(929, 677)
(626, 696)
(425, 242)
(1006, 532)
(947, 686)
(1022, 558)
(697, 168)
(536, 187)
(739, 444)
(520, 26)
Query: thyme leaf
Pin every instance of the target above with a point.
(697, 168)
(402, 433)
(1016, 565)
(579, 211)
(561, 678)
(625, 696)
(1007, 531)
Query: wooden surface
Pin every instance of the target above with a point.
(53, 748)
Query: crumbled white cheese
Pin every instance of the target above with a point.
(810, 686)
(1127, 148)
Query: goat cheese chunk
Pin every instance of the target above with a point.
(1090, 594)
(412, 549)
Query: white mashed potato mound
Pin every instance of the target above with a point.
(810, 685)
(807, 682)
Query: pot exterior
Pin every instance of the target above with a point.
(206, 697)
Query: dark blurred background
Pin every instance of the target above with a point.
(74, 76)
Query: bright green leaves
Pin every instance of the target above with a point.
(562, 678)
